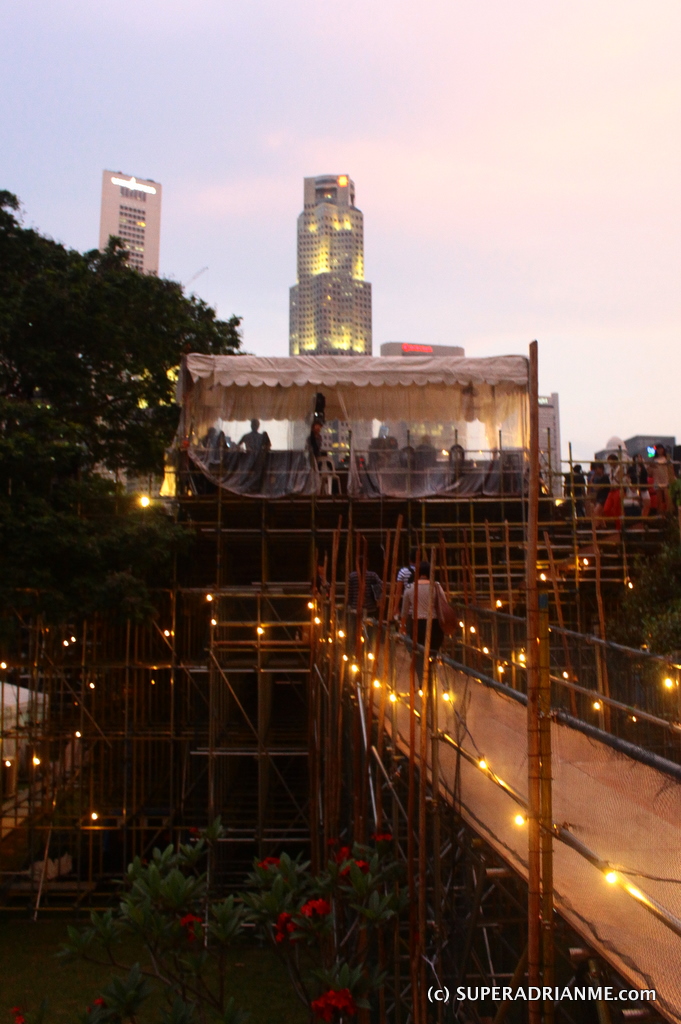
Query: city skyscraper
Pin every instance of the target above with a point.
(330, 306)
(131, 210)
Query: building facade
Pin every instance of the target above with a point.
(549, 443)
(131, 210)
(410, 348)
(330, 306)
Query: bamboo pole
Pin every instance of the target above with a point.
(423, 780)
(561, 620)
(533, 736)
(546, 835)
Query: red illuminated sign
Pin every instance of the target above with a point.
(417, 348)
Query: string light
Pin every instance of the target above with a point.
(669, 683)
(462, 625)
(310, 605)
(65, 643)
(36, 760)
(166, 632)
(634, 718)
(499, 603)
(630, 585)
(153, 682)
(482, 764)
(317, 621)
(472, 629)
(597, 706)
(611, 877)
(73, 639)
(542, 577)
(501, 669)
(520, 819)
(371, 656)
(94, 816)
(585, 561)
(393, 698)
(341, 633)
(485, 650)
(420, 693)
(8, 764)
(445, 696)
(345, 657)
(145, 500)
(377, 684)
(78, 734)
(354, 668)
(260, 630)
(214, 622)
(92, 686)
(3, 664)
(521, 656)
(209, 597)
(565, 675)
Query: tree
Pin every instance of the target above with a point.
(89, 352)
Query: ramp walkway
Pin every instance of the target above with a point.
(616, 803)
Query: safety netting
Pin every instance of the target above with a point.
(623, 812)
(386, 426)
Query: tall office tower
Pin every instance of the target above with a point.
(330, 308)
(131, 210)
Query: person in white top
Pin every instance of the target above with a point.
(419, 594)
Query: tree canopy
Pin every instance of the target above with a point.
(89, 351)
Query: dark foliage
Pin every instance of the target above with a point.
(89, 352)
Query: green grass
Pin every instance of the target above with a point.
(30, 971)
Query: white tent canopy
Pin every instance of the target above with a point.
(236, 388)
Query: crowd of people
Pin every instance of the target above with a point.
(620, 486)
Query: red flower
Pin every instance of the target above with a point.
(361, 864)
(269, 862)
(330, 1002)
(315, 908)
(193, 830)
(285, 927)
(332, 842)
(188, 922)
(99, 1002)
(382, 837)
(343, 854)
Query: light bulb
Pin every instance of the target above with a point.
(260, 630)
(669, 683)
(482, 764)
(371, 656)
(8, 764)
(78, 734)
(565, 675)
(597, 705)
(209, 597)
(393, 698)
(214, 622)
(354, 668)
(585, 561)
(3, 664)
(377, 684)
(445, 696)
(472, 629)
(519, 819)
(73, 639)
(92, 686)
(310, 605)
(501, 669)
(462, 625)
(420, 693)
(65, 643)
(499, 603)
(317, 620)
(36, 760)
(611, 877)
(345, 657)
(341, 634)
(94, 815)
(166, 632)
(145, 500)
(542, 577)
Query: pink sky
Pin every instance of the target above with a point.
(518, 165)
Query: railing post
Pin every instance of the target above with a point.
(546, 823)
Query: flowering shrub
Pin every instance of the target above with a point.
(168, 906)
(326, 928)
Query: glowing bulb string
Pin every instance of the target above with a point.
(563, 835)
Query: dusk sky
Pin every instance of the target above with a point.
(518, 166)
